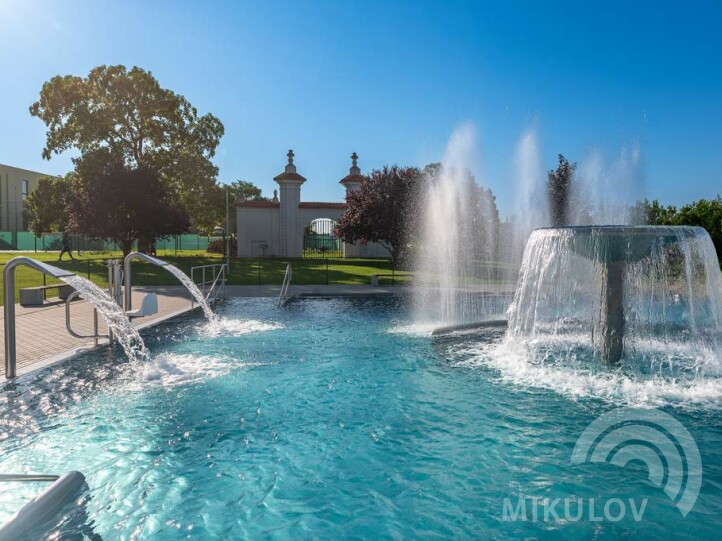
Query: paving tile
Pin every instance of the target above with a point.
(41, 334)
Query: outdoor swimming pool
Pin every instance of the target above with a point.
(328, 420)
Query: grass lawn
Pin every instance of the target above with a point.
(269, 271)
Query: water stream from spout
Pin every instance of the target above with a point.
(114, 316)
(193, 288)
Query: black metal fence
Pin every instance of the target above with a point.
(316, 271)
(245, 271)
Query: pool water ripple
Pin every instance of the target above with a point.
(325, 425)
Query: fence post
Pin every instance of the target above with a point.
(326, 271)
(259, 271)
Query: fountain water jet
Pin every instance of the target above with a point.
(530, 202)
(601, 191)
(459, 238)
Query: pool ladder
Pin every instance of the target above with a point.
(213, 287)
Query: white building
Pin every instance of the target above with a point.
(15, 186)
(278, 228)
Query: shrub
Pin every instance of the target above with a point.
(216, 247)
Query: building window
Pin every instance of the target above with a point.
(25, 185)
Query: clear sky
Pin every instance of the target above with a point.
(391, 80)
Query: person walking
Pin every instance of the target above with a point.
(66, 247)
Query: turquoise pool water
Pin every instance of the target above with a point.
(331, 419)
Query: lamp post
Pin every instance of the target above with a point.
(228, 234)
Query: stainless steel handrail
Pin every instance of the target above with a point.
(26, 478)
(285, 287)
(115, 287)
(95, 334)
(9, 304)
(219, 271)
(126, 273)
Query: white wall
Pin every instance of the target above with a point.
(257, 226)
(371, 250)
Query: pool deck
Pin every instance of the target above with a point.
(42, 338)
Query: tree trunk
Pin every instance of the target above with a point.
(144, 245)
(126, 245)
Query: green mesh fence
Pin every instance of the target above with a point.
(25, 241)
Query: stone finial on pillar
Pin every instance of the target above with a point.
(354, 177)
(354, 165)
(290, 167)
(289, 173)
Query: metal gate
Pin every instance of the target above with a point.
(320, 241)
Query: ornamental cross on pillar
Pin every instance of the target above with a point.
(290, 167)
(354, 165)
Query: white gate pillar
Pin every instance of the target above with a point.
(291, 228)
(351, 182)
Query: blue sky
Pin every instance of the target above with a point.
(391, 81)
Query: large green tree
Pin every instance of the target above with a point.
(119, 115)
(705, 213)
(47, 204)
(653, 213)
(243, 190)
(238, 192)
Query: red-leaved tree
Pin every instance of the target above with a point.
(125, 205)
(381, 209)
